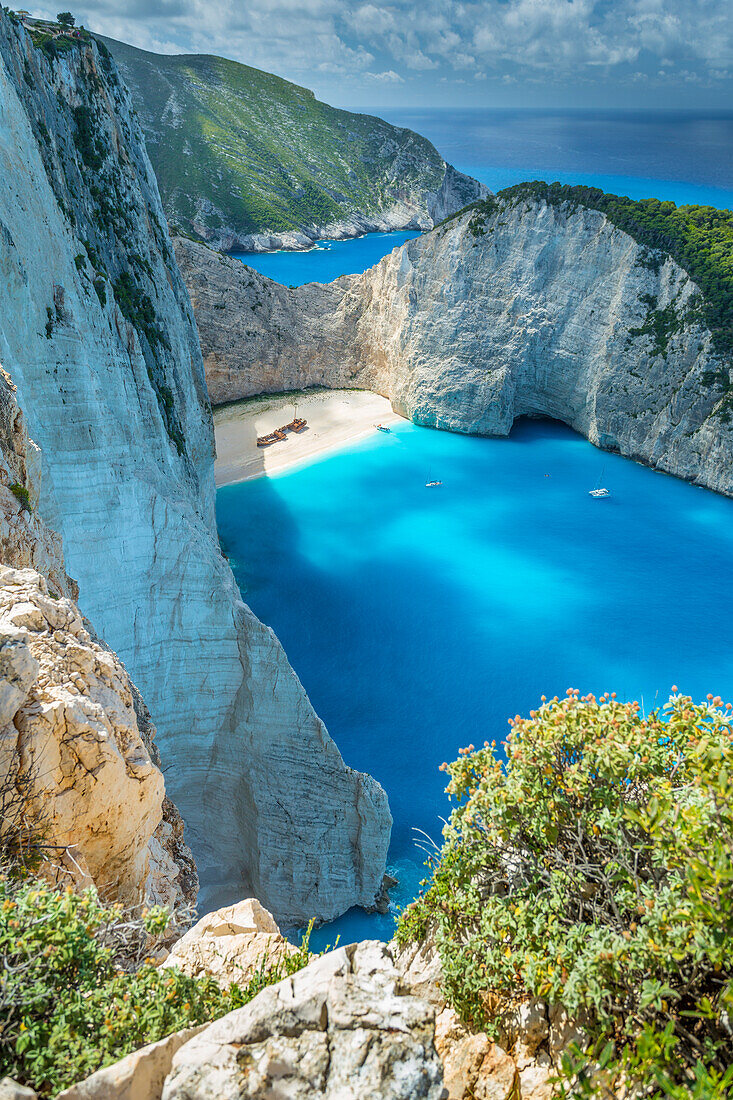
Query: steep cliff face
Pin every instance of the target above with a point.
(77, 747)
(248, 160)
(97, 334)
(528, 310)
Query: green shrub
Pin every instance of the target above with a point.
(595, 868)
(22, 495)
(72, 995)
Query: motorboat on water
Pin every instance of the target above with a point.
(382, 428)
(432, 484)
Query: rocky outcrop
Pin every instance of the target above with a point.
(342, 1027)
(231, 944)
(519, 1065)
(531, 310)
(97, 334)
(70, 745)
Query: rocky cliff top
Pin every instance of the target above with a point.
(519, 306)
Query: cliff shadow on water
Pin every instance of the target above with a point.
(420, 620)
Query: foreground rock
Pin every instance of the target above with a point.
(97, 334)
(521, 1065)
(539, 310)
(231, 944)
(71, 745)
(342, 1029)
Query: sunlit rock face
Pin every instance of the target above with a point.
(97, 334)
(534, 310)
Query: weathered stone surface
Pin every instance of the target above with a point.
(139, 1076)
(534, 1081)
(231, 944)
(340, 1029)
(71, 740)
(496, 1079)
(421, 969)
(539, 316)
(11, 1090)
(120, 412)
(461, 1053)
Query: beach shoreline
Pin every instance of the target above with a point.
(335, 418)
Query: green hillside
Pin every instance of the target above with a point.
(236, 149)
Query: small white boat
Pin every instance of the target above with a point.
(432, 484)
(382, 428)
(598, 491)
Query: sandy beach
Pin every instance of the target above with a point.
(335, 417)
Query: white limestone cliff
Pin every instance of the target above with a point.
(97, 334)
(534, 312)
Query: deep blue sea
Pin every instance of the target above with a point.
(420, 620)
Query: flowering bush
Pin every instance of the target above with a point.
(75, 995)
(595, 868)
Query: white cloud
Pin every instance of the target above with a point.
(388, 77)
(529, 40)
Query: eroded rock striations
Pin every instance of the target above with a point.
(530, 309)
(97, 334)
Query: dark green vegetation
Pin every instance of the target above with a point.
(22, 495)
(77, 993)
(698, 238)
(236, 147)
(595, 868)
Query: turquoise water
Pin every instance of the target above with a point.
(420, 619)
(326, 261)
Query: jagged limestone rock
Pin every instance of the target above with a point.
(70, 741)
(542, 310)
(97, 333)
(231, 944)
(340, 1029)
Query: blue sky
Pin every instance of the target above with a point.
(575, 53)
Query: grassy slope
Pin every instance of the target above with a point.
(264, 152)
